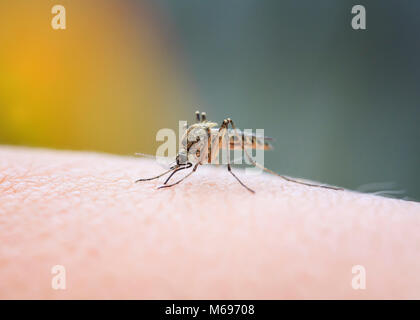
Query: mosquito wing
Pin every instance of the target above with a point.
(248, 140)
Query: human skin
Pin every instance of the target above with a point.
(206, 238)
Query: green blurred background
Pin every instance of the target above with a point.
(342, 105)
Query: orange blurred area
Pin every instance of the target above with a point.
(107, 82)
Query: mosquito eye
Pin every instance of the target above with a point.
(181, 158)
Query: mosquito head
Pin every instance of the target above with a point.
(182, 157)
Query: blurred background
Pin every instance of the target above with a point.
(342, 105)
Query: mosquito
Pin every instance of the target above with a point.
(202, 142)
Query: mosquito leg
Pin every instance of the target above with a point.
(243, 184)
(275, 173)
(228, 160)
(162, 174)
(176, 170)
(175, 183)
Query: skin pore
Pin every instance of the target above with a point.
(206, 238)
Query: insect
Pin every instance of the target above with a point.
(202, 142)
